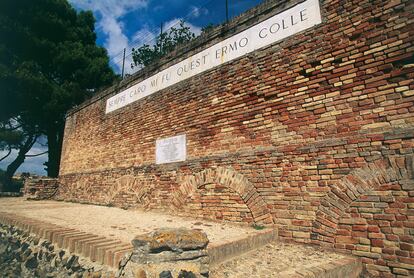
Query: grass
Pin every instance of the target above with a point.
(258, 227)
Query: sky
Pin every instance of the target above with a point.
(131, 23)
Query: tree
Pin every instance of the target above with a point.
(10, 137)
(49, 62)
(164, 44)
(14, 136)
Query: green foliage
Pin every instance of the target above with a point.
(258, 227)
(10, 139)
(165, 43)
(49, 62)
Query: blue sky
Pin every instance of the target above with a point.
(130, 23)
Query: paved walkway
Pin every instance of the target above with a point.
(284, 260)
(68, 222)
(117, 223)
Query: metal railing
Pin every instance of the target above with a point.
(217, 11)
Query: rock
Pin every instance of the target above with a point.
(14, 244)
(170, 251)
(96, 274)
(168, 256)
(140, 273)
(171, 239)
(73, 259)
(40, 255)
(48, 257)
(32, 262)
(64, 261)
(54, 262)
(24, 246)
(166, 274)
(40, 273)
(186, 274)
(75, 266)
(27, 252)
(124, 260)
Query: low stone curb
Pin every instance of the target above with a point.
(347, 267)
(225, 251)
(97, 248)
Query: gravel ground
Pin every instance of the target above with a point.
(118, 223)
(273, 260)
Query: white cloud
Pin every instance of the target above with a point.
(110, 12)
(144, 36)
(114, 8)
(196, 11)
(110, 23)
(175, 23)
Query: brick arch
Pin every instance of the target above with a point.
(359, 182)
(230, 179)
(129, 191)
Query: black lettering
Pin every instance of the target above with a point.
(224, 50)
(303, 15)
(165, 77)
(204, 58)
(180, 71)
(260, 33)
(154, 82)
(292, 21)
(218, 53)
(233, 46)
(272, 30)
(283, 24)
(245, 40)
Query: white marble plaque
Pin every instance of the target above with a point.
(172, 149)
(289, 22)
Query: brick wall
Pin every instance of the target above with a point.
(314, 134)
(40, 188)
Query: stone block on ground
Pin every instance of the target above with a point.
(169, 252)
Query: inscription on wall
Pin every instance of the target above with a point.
(298, 18)
(171, 149)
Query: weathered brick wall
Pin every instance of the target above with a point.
(314, 134)
(40, 188)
